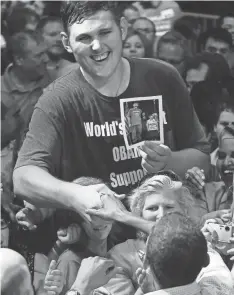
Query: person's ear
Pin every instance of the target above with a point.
(123, 27)
(207, 260)
(65, 41)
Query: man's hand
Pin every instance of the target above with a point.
(155, 157)
(69, 235)
(54, 280)
(196, 176)
(94, 272)
(92, 197)
(145, 280)
(25, 217)
(112, 208)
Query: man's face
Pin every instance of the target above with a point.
(145, 27)
(51, 34)
(157, 205)
(131, 15)
(133, 47)
(228, 24)
(35, 61)
(173, 54)
(135, 105)
(225, 162)
(217, 46)
(196, 75)
(225, 119)
(97, 44)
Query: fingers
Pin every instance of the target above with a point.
(95, 212)
(196, 176)
(52, 265)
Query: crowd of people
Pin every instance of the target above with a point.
(80, 212)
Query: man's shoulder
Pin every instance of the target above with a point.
(152, 65)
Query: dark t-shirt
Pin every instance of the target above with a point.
(76, 131)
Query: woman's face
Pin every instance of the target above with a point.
(158, 204)
(133, 47)
(4, 234)
(99, 229)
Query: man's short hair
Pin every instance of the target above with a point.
(76, 11)
(218, 34)
(48, 19)
(131, 7)
(176, 251)
(18, 43)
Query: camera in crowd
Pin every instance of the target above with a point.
(221, 237)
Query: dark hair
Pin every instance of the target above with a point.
(219, 34)
(186, 26)
(223, 16)
(143, 39)
(146, 19)
(18, 43)
(76, 11)
(47, 19)
(176, 251)
(218, 68)
(18, 19)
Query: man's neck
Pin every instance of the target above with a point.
(114, 85)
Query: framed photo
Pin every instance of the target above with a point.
(142, 119)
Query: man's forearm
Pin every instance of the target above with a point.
(139, 223)
(41, 189)
(183, 160)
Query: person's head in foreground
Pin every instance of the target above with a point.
(99, 229)
(225, 162)
(94, 33)
(15, 275)
(176, 251)
(157, 195)
(135, 45)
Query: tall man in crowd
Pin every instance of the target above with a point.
(135, 121)
(76, 128)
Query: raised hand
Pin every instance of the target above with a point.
(69, 235)
(54, 280)
(25, 217)
(196, 177)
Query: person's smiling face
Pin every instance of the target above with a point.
(158, 204)
(225, 162)
(133, 47)
(97, 43)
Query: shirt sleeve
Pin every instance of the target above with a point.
(43, 143)
(122, 284)
(187, 130)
